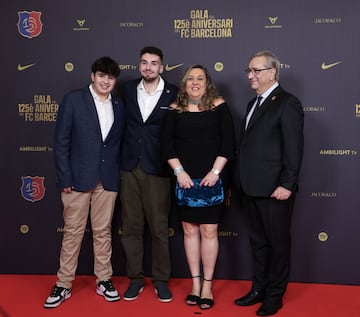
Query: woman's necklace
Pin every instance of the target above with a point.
(193, 101)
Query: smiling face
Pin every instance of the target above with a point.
(262, 76)
(150, 67)
(103, 84)
(196, 84)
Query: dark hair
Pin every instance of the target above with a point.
(207, 101)
(152, 50)
(106, 65)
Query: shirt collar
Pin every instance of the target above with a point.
(160, 86)
(269, 91)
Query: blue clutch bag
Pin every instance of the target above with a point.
(200, 196)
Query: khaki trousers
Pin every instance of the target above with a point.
(99, 203)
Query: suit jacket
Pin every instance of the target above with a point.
(271, 148)
(142, 139)
(82, 158)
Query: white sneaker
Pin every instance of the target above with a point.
(107, 289)
(57, 296)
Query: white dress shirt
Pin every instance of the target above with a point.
(105, 112)
(146, 101)
(264, 96)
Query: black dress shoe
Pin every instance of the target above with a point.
(253, 297)
(268, 309)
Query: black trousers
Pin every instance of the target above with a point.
(269, 224)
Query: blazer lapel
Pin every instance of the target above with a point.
(163, 100)
(89, 100)
(264, 106)
(134, 101)
(116, 111)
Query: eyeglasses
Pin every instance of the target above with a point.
(255, 71)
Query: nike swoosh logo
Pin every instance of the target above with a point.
(169, 68)
(23, 67)
(327, 66)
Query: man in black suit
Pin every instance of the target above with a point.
(145, 183)
(269, 158)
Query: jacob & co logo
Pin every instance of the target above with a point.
(29, 23)
(32, 188)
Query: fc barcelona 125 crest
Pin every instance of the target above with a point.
(29, 23)
(32, 188)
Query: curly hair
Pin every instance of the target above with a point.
(207, 101)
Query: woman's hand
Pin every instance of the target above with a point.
(210, 179)
(184, 180)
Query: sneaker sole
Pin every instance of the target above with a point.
(58, 303)
(107, 298)
(129, 299)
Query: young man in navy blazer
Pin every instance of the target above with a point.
(269, 158)
(88, 134)
(145, 182)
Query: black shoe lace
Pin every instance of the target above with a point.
(57, 291)
(108, 285)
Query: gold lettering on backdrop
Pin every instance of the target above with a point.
(323, 195)
(202, 25)
(338, 152)
(327, 20)
(45, 117)
(43, 109)
(228, 234)
(131, 24)
(199, 14)
(33, 149)
(207, 33)
(42, 98)
(357, 110)
(314, 108)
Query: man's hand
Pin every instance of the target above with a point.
(281, 193)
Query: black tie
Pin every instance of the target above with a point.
(257, 106)
(258, 101)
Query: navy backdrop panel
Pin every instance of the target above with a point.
(48, 49)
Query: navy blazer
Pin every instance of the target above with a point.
(271, 148)
(141, 142)
(82, 158)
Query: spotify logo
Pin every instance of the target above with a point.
(69, 67)
(219, 66)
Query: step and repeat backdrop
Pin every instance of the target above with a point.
(48, 48)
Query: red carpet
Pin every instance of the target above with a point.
(24, 295)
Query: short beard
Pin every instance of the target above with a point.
(149, 79)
